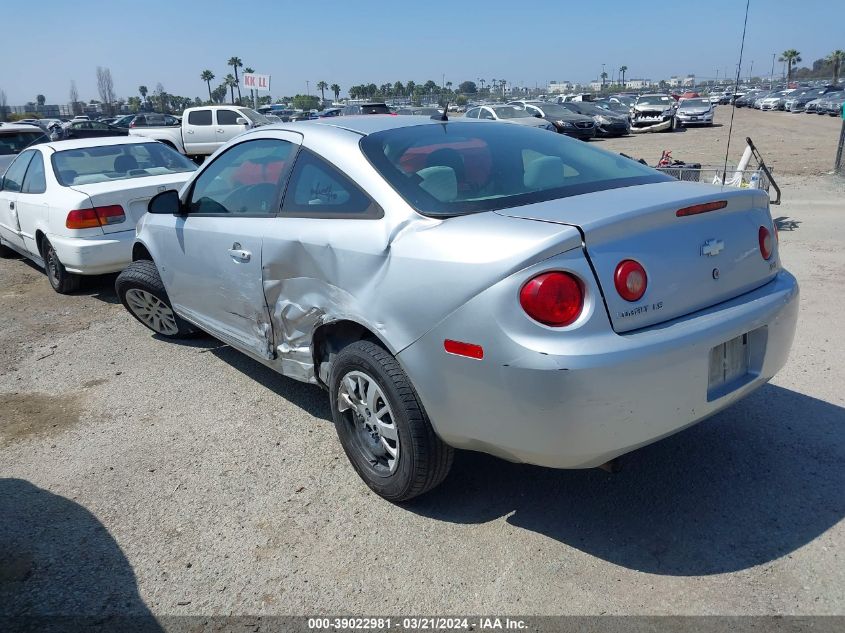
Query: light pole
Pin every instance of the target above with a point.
(751, 71)
(717, 76)
(307, 88)
(772, 76)
(602, 76)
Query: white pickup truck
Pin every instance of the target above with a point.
(204, 129)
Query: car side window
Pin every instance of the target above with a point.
(35, 181)
(199, 117)
(17, 170)
(245, 180)
(318, 189)
(226, 117)
(486, 114)
(472, 114)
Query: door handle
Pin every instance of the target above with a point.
(219, 131)
(190, 131)
(238, 254)
(12, 206)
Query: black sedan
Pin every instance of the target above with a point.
(91, 129)
(607, 123)
(565, 120)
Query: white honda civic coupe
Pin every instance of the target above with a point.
(71, 206)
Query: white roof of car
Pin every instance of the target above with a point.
(19, 127)
(97, 142)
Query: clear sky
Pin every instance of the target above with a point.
(350, 42)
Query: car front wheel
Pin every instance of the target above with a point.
(382, 425)
(140, 289)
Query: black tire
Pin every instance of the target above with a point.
(423, 459)
(60, 279)
(139, 280)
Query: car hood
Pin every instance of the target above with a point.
(696, 110)
(531, 121)
(657, 107)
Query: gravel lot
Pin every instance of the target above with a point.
(138, 474)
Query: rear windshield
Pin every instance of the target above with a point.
(695, 103)
(15, 142)
(460, 168)
(117, 162)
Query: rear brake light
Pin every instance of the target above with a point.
(555, 299)
(463, 349)
(701, 208)
(93, 218)
(765, 240)
(630, 280)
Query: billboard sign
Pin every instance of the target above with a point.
(257, 82)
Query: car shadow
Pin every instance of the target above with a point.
(306, 396)
(60, 569)
(99, 287)
(750, 485)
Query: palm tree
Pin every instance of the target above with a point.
(603, 79)
(207, 76)
(336, 90)
(322, 86)
(230, 81)
(623, 70)
(836, 58)
(235, 62)
(482, 82)
(41, 99)
(143, 90)
(791, 57)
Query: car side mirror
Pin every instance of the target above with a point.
(165, 203)
(241, 121)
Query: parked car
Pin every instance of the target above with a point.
(15, 138)
(204, 129)
(606, 122)
(470, 285)
(775, 101)
(419, 111)
(694, 112)
(832, 104)
(91, 129)
(747, 100)
(652, 109)
(797, 101)
(613, 106)
(330, 112)
(152, 119)
(71, 206)
(81, 117)
(566, 117)
(304, 116)
(508, 114)
(365, 108)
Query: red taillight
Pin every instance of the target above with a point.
(458, 348)
(701, 208)
(630, 280)
(554, 299)
(765, 239)
(93, 218)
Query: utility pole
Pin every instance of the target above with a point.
(602, 77)
(717, 76)
(837, 165)
(751, 71)
(772, 76)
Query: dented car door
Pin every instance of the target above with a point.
(211, 262)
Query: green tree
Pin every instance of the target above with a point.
(336, 90)
(835, 59)
(218, 95)
(207, 76)
(398, 89)
(410, 87)
(468, 87)
(235, 62)
(603, 79)
(322, 86)
(41, 100)
(306, 102)
(143, 92)
(622, 71)
(791, 57)
(231, 82)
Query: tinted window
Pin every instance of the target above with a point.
(226, 117)
(484, 113)
(459, 168)
(244, 180)
(199, 117)
(35, 181)
(375, 108)
(472, 114)
(316, 188)
(14, 175)
(117, 162)
(15, 142)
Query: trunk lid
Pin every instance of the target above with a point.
(691, 262)
(132, 194)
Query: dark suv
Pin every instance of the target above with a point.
(366, 108)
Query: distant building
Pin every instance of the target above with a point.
(559, 87)
(638, 84)
(596, 85)
(689, 81)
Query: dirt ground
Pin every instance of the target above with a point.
(144, 476)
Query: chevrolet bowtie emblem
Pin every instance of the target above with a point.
(712, 248)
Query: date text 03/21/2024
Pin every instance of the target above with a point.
(416, 624)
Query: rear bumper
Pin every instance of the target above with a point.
(586, 399)
(98, 255)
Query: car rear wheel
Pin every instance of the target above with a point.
(60, 279)
(382, 425)
(142, 293)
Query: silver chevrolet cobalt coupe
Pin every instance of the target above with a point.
(470, 284)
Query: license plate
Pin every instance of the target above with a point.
(693, 118)
(728, 361)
